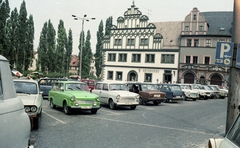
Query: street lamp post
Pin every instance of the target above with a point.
(81, 47)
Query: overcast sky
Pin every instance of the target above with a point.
(157, 10)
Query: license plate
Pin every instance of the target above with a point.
(86, 107)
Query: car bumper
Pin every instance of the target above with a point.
(127, 104)
(175, 99)
(85, 107)
(195, 96)
(156, 99)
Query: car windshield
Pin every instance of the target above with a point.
(77, 86)
(175, 87)
(25, 87)
(234, 133)
(206, 88)
(214, 88)
(118, 87)
(184, 87)
(195, 87)
(146, 87)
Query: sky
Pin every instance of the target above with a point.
(156, 10)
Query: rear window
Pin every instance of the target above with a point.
(175, 87)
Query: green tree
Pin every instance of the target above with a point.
(4, 14)
(61, 47)
(86, 59)
(51, 48)
(99, 54)
(108, 25)
(42, 49)
(81, 41)
(29, 55)
(68, 51)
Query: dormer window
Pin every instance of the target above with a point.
(194, 17)
(186, 28)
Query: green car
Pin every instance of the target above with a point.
(73, 95)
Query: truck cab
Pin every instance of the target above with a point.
(15, 123)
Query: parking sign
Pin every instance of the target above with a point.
(224, 51)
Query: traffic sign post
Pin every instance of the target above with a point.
(224, 51)
(238, 57)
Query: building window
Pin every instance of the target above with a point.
(201, 28)
(167, 58)
(118, 75)
(110, 75)
(122, 57)
(136, 57)
(189, 42)
(144, 42)
(186, 28)
(130, 42)
(188, 59)
(112, 57)
(195, 59)
(221, 40)
(206, 60)
(150, 58)
(208, 42)
(148, 77)
(196, 42)
(118, 42)
(194, 17)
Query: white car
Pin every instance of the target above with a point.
(116, 94)
(205, 94)
(188, 92)
(28, 91)
(230, 140)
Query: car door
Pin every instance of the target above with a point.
(58, 99)
(97, 90)
(105, 93)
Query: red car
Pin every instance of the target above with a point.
(90, 83)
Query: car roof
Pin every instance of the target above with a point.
(24, 80)
(70, 82)
(111, 82)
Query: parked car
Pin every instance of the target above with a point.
(15, 124)
(147, 92)
(28, 91)
(209, 91)
(73, 95)
(222, 92)
(205, 94)
(173, 92)
(91, 83)
(116, 94)
(45, 85)
(189, 93)
(230, 140)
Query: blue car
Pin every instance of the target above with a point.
(173, 92)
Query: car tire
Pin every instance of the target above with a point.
(156, 102)
(51, 104)
(133, 107)
(94, 111)
(66, 109)
(40, 114)
(194, 99)
(35, 123)
(184, 97)
(112, 105)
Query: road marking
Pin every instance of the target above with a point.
(54, 118)
(155, 126)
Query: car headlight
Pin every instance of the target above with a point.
(33, 108)
(72, 98)
(137, 97)
(118, 97)
(27, 109)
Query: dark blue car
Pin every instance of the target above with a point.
(173, 92)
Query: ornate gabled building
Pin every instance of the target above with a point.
(200, 33)
(133, 51)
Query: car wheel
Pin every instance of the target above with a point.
(155, 102)
(112, 104)
(133, 107)
(51, 104)
(35, 123)
(184, 97)
(194, 99)
(66, 109)
(94, 111)
(222, 97)
(40, 114)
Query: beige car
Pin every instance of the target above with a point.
(28, 91)
(148, 92)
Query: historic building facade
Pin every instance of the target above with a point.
(134, 51)
(200, 32)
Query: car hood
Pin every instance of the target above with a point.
(82, 94)
(124, 93)
(28, 99)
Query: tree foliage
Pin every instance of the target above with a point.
(87, 58)
(99, 46)
(108, 25)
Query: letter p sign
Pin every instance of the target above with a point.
(224, 48)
